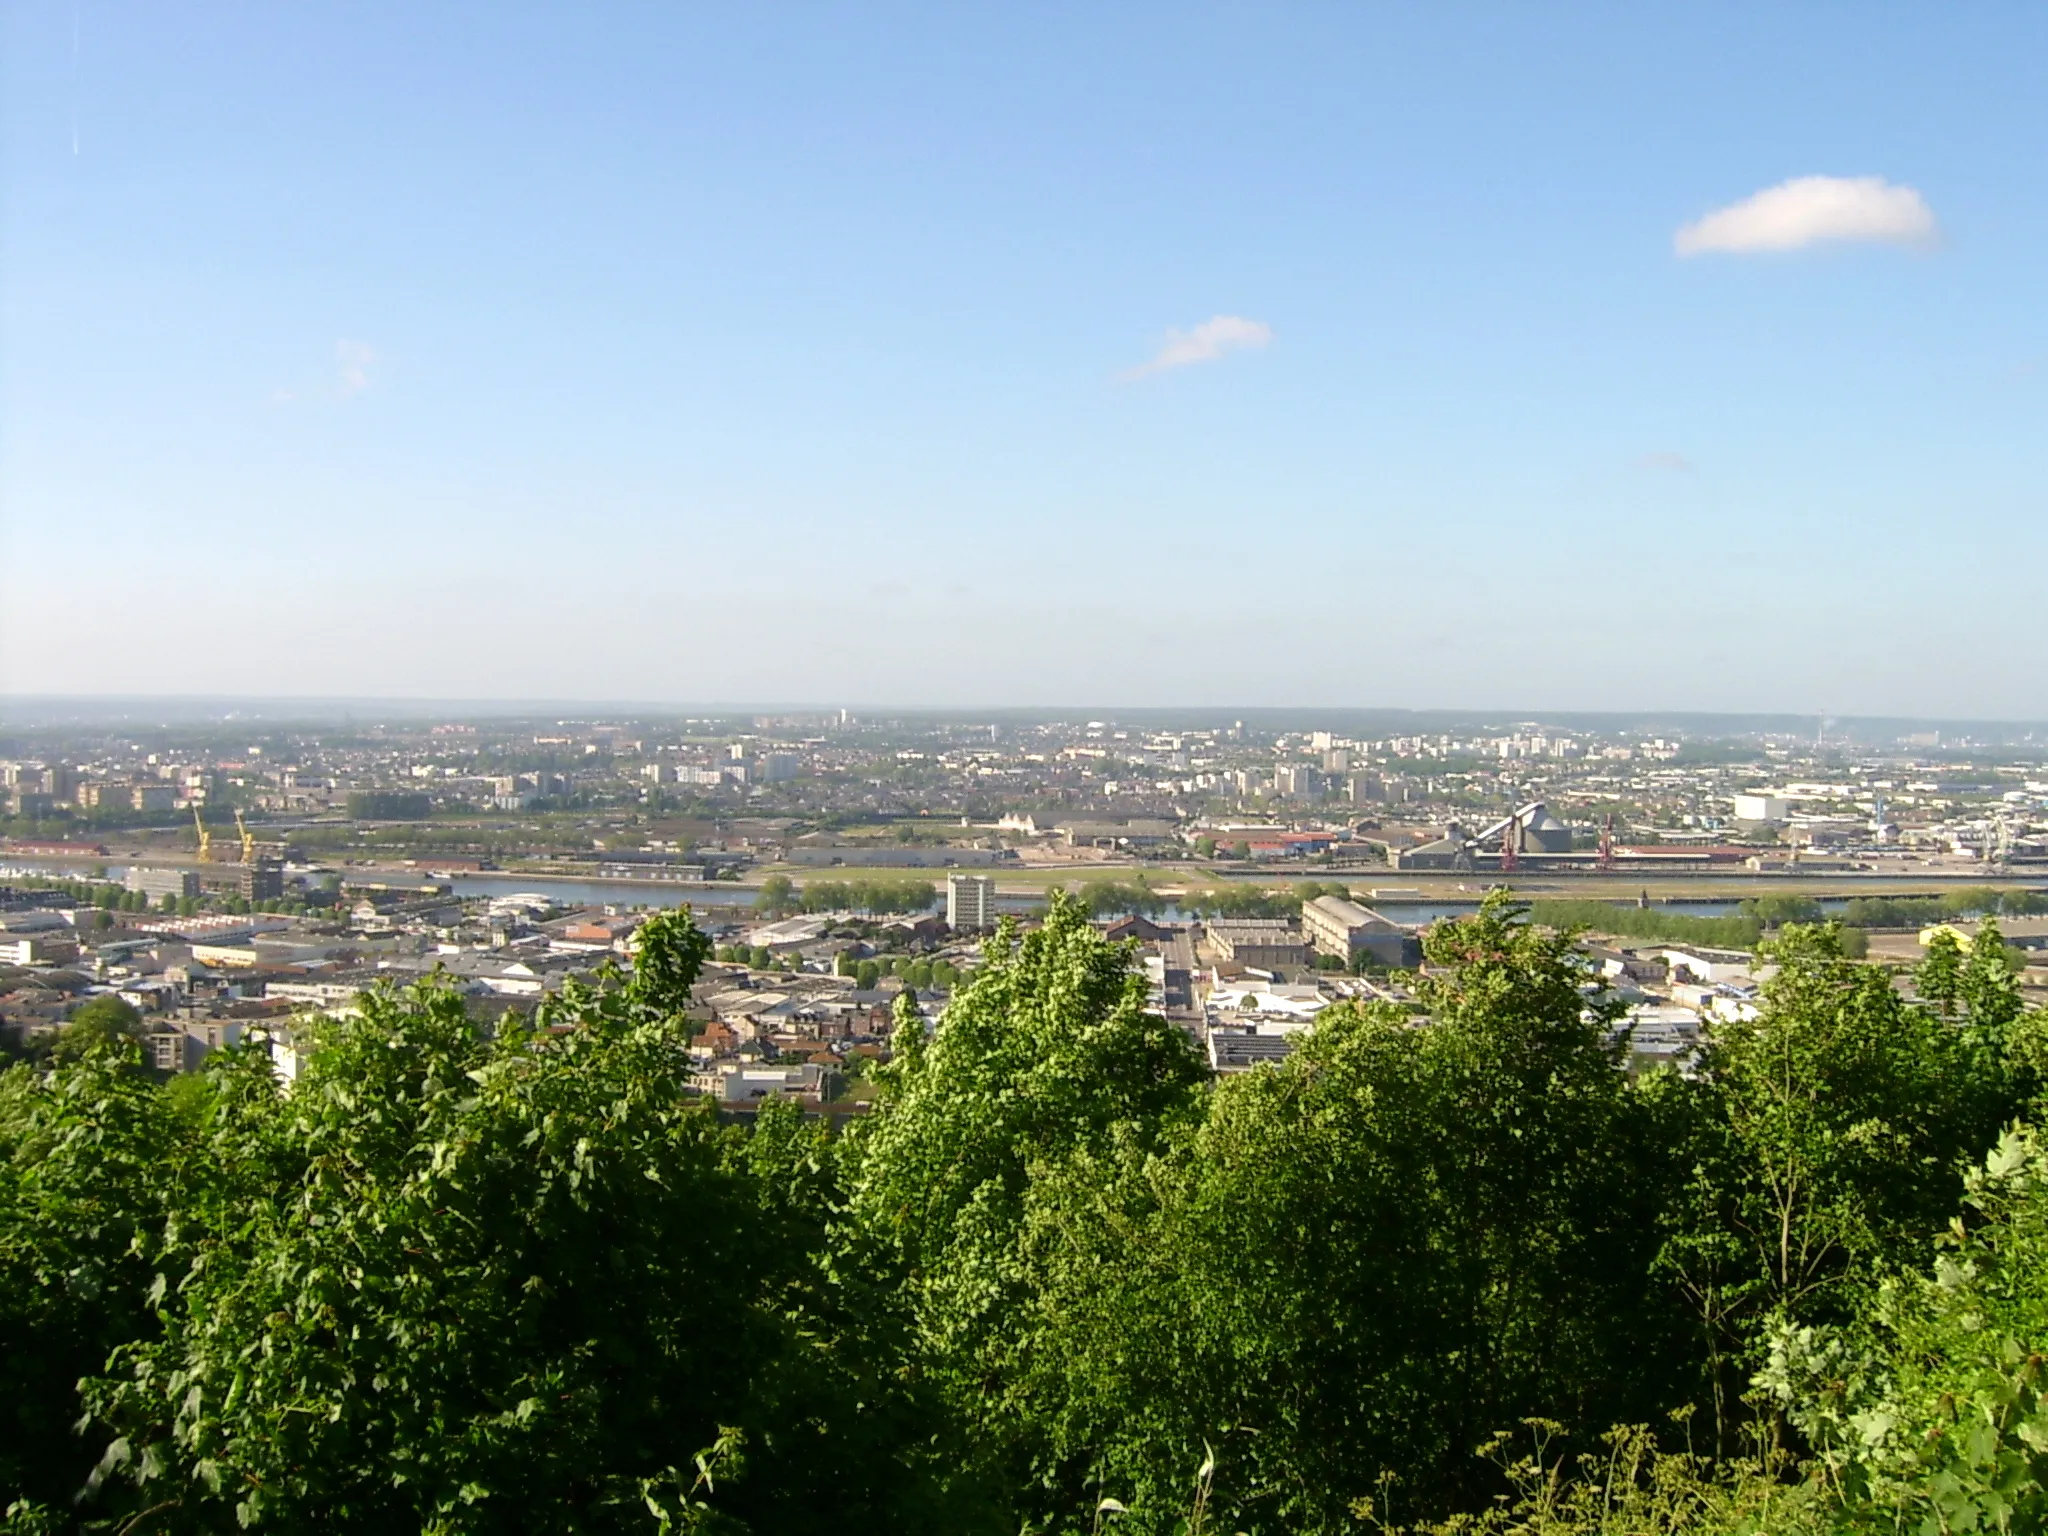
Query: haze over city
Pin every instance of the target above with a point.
(1475, 357)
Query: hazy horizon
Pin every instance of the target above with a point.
(28, 712)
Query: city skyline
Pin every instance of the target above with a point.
(1318, 358)
(27, 713)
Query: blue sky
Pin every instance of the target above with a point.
(801, 354)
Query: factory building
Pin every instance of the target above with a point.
(261, 881)
(1531, 832)
(1267, 946)
(156, 884)
(1334, 926)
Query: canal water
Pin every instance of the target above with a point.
(710, 898)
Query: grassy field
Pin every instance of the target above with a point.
(1688, 887)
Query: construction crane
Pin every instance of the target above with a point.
(1998, 847)
(205, 837)
(1606, 859)
(248, 838)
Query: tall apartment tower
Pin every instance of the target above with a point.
(970, 902)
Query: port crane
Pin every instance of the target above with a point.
(248, 838)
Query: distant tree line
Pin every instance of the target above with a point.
(919, 972)
(1919, 911)
(387, 805)
(1248, 901)
(109, 898)
(1901, 911)
(1116, 898)
(877, 897)
(1738, 930)
(66, 822)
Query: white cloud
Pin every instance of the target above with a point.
(354, 359)
(1205, 343)
(1665, 459)
(1808, 210)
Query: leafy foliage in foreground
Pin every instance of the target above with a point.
(454, 1281)
(1930, 1407)
(471, 1280)
(1367, 1259)
(1630, 1486)
(1828, 1142)
(1364, 1259)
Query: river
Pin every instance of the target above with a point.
(646, 893)
(729, 899)
(653, 893)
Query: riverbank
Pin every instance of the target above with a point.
(1019, 889)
